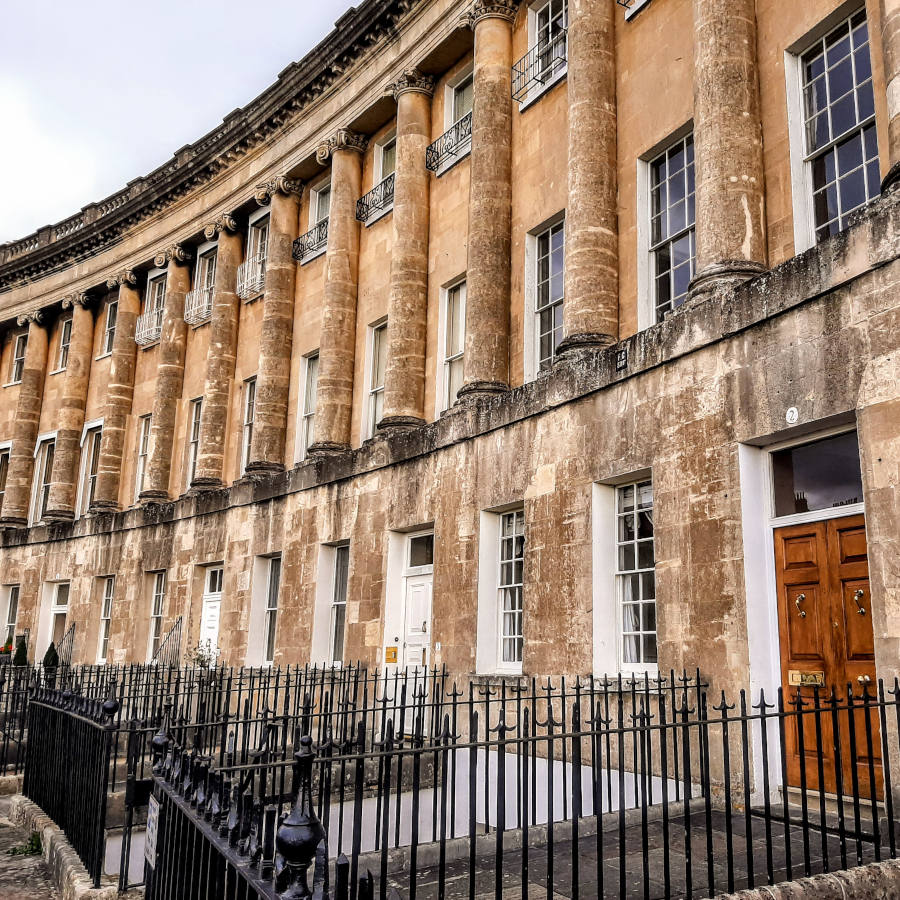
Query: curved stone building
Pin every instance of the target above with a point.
(551, 337)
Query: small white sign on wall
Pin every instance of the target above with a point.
(152, 828)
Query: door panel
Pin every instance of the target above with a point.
(417, 628)
(826, 634)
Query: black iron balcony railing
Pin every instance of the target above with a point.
(314, 239)
(539, 65)
(380, 197)
(453, 142)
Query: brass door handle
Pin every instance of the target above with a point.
(864, 679)
(858, 594)
(797, 600)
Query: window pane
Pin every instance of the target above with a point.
(421, 550)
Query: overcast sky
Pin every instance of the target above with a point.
(94, 93)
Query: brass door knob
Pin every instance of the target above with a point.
(858, 594)
(797, 601)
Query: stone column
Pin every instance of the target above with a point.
(890, 46)
(119, 393)
(221, 357)
(334, 396)
(169, 374)
(404, 380)
(591, 304)
(730, 202)
(486, 366)
(274, 375)
(70, 418)
(27, 421)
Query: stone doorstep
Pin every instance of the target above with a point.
(875, 881)
(66, 869)
(458, 848)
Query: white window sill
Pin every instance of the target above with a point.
(457, 157)
(635, 8)
(536, 93)
(315, 255)
(149, 346)
(103, 356)
(252, 298)
(56, 371)
(11, 383)
(379, 214)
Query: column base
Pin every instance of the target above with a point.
(261, 467)
(99, 507)
(13, 522)
(389, 423)
(326, 448)
(572, 343)
(151, 497)
(199, 485)
(477, 389)
(59, 515)
(892, 179)
(726, 274)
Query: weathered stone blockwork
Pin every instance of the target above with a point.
(681, 400)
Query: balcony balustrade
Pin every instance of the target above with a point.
(452, 143)
(380, 197)
(314, 239)
(198, 305)
(148, 327)
(251, 277)
(539, 65)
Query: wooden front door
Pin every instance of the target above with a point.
(825, 625)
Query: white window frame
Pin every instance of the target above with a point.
(529, 327)
(646, 306)
(270, 621)
(142, 454)
(5, 452)
(157, 583)
(41, 478)
(107, 597)
(442, 398)
(340, 551)
(489, 630)
(203, 287)
(537, 91)
(635, 8)
(373, 391)
(306, 434)
(59, 609)
(256, 280)
(65, 341)
(92, 431)
(248, 420)
(17, 362)
(801, 168)
(109, 331)
(195, 412)
(11, 615)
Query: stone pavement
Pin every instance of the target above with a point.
(21, 877)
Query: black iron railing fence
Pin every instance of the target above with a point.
(539, 65)
(67, 770)
(456, 139)
(380, 197)
(314, 239)
(616, 790)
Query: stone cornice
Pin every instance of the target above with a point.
(278, 185)
(412, 80)
(492, 9)
(126, 276)
(100, 225)
(225, 222)
(80, 299)
(176, 253)
(342, 139)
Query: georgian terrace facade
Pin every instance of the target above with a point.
(504, 336)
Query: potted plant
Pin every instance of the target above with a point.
(51, 663)
(21, 657)
(6, 653)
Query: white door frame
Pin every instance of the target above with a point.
(209, 598)
(399, 572)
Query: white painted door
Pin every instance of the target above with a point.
(211, 610)
(417, 628)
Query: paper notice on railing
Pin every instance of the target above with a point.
(152, 828)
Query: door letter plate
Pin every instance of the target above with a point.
(390, 654)
(805, 679)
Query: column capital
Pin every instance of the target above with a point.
(80, 299)
(491, 9)
(126, 276)
(225, 222)
(35, 316)
(412, 80)
(176, 253)
(342, 139)
(280, 184)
